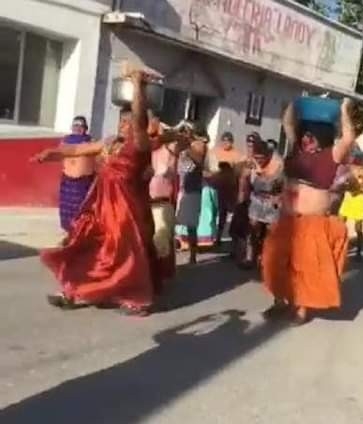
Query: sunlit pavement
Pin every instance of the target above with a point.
(210, 358)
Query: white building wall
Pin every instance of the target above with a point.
(77, 25)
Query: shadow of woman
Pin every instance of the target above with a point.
(185, 357)
(203, 281)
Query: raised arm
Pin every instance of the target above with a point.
(348, 137)
(139, 112)
(289, 125)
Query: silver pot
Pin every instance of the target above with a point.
(123, 93)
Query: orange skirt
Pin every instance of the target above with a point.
(303, 260)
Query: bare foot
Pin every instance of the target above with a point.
(301, 317)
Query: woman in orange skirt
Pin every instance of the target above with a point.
(304, 252)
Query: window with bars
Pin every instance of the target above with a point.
(30, 65)
(255, 106)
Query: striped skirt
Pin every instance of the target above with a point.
(72, 194)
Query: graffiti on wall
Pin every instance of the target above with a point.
(265, 32)
(251, 24)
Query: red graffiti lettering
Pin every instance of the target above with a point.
(236, 6)
(256, 15)
(247, 11)
(288, 27)
(278, 27)
(300, 33)
(250, 23)
(227, 6)
(267, 24)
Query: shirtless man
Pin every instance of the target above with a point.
(78, 175)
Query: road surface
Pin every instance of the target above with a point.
(210, 359)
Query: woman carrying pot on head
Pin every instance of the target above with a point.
(109, 257)
(304, 252)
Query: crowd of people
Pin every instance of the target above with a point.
(127, 202)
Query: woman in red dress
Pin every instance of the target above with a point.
(109, 256)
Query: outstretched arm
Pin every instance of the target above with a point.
(65, 150)
(347, 140)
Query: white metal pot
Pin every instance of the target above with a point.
(123, 93)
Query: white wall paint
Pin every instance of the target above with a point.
(79, 28)
(68, 84)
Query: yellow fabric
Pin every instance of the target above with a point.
(352, 207)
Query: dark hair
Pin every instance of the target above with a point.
(126, 108)
(253, 137)
(224, 166)
(227, 135)
(272, 144)
(83, 120)
(261, 148)
(323, 132)
(200, 130)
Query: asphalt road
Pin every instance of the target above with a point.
(211, 358)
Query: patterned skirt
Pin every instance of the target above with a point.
(72, 194)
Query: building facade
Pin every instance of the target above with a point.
(48, 67)
(232, 64)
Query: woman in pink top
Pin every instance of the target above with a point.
(162, 194)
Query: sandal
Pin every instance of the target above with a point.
(299, 320)
(59, 300)
(129, 311)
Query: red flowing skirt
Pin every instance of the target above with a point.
(109, 255)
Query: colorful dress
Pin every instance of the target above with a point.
(109, 255)
(263, 206)
(207, 222)
(197, 204)
(352, 206)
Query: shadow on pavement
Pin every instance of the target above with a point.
(130, 392)
(207, 279)
(9, 250)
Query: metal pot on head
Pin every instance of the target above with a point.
(123, 92)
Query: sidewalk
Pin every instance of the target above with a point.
(32, 228)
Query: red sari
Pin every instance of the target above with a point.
(109, 255)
